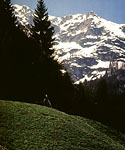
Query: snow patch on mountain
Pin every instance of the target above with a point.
(24, 14)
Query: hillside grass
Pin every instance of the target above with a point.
(32, 127)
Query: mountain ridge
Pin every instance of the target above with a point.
(85, 43)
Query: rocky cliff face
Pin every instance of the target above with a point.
(85, 43)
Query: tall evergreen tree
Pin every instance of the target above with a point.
(8, 23)
(7, 29)
(6, 13)
(18, 57)
(42, 31)
(53, 83)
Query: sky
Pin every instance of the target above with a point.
(112, 10)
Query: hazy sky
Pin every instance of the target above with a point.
(113, 10)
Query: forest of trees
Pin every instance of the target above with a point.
(28, 72)
(101, 100)
(28, 69)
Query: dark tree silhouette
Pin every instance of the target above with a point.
(56, 85)
(42, 31)
(18, 59)
(102, 91)
(8, 21)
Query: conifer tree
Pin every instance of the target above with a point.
(18, 55)
(42, 31)
(6, 13)
(53, 83)
(8, 20)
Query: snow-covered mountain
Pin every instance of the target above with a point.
(85, 43)
(24, 14)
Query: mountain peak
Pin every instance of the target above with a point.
(92, 13)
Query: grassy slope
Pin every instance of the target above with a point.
(31, 127)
